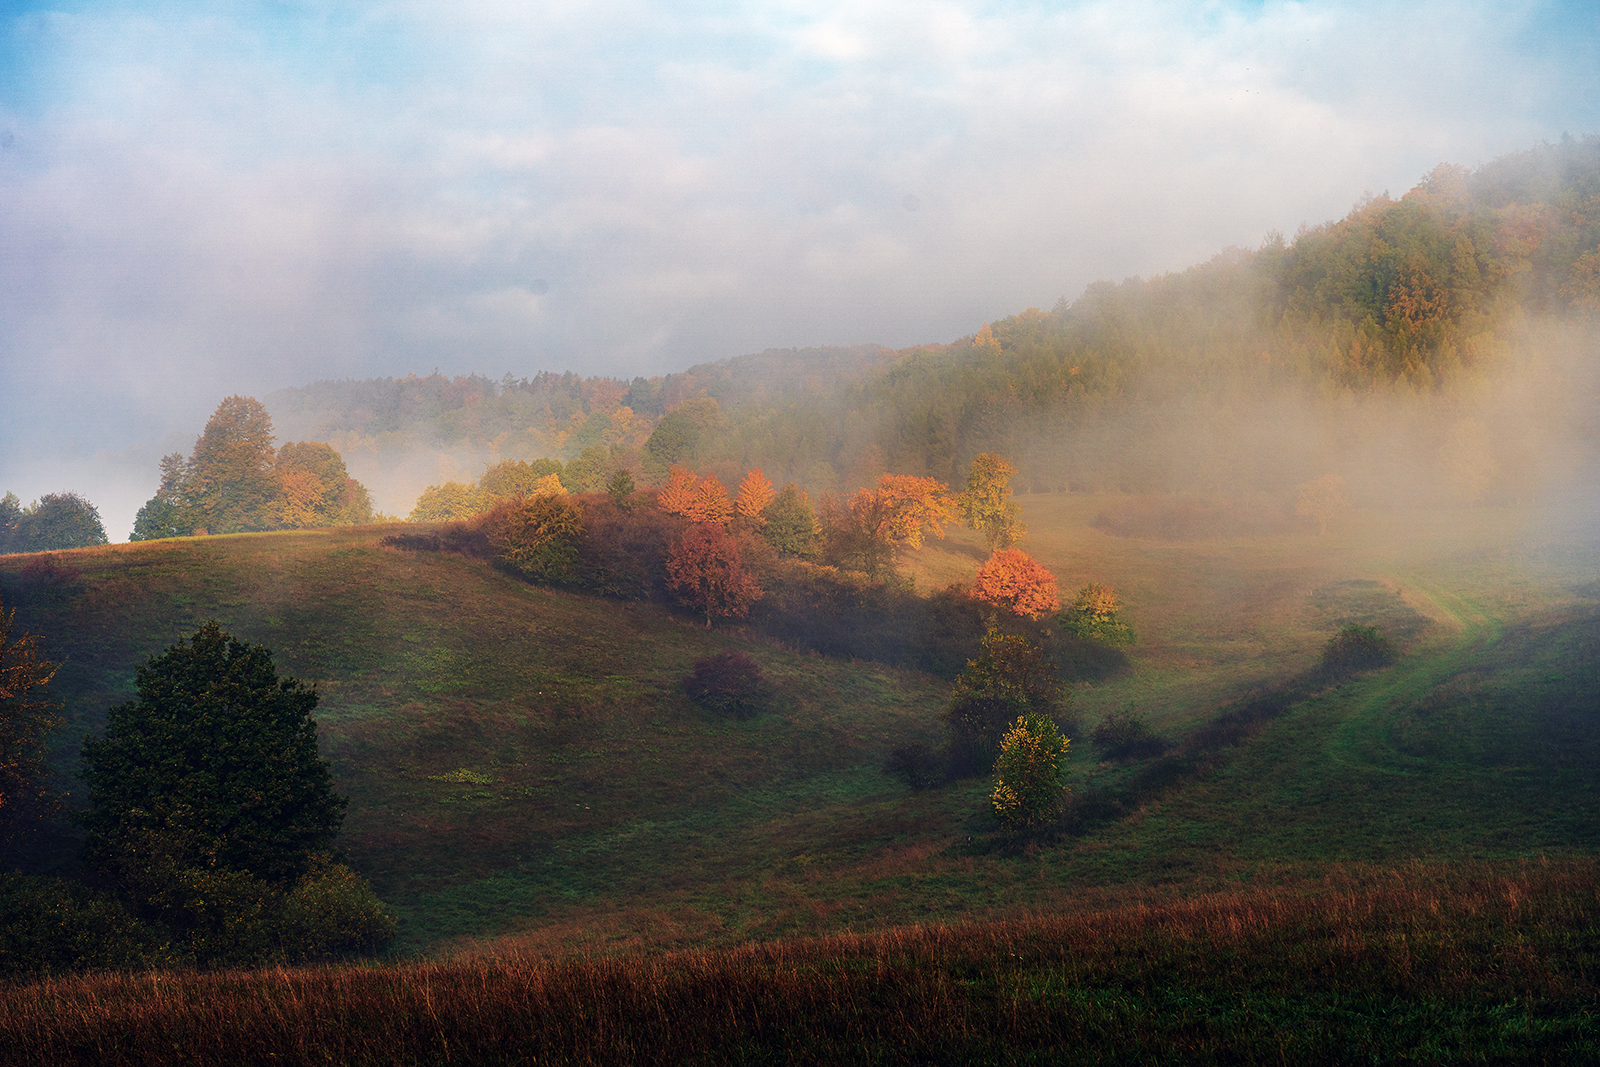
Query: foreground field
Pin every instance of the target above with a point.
(527, 775)
(1468, 963)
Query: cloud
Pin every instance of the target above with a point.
(235, 200)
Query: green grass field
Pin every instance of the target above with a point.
(524, 766)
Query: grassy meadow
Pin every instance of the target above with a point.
(528, 782)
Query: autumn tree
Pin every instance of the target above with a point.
(27, 716)
(450, 502)
(986, 502)
(537, 536)
(755, 493)
(317, 490)
(865, 532)
(1093, 616)
(236, 481)
(676, 495)
(232, 484)
(512, 478)
(1011, 677)
(696, 499)
(1014, 581)
(1028, 773)
(705, 572)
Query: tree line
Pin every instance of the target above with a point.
(54, 521)
(1403, 296)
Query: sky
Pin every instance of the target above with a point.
(199, 200)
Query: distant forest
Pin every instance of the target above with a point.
(1379, 346)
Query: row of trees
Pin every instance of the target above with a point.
(54, 521)
(235, 481)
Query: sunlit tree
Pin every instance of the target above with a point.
(986, 502)
(1014, 581)
(755, 493)
(1029, 773)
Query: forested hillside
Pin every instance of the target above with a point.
(1453, 301)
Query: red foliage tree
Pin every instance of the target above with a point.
(704, 571)
(1013, 580)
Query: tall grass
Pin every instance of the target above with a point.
(1425, 964)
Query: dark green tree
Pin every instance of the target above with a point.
(10, 512)
(621, 488)
(791, 525)
(55, 521)
(1010, 678)
(588, 473)
(674, 440)
(214, 766)
(165, 514)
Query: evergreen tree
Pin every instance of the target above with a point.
(214, 766)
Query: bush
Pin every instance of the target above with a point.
(1354, 649)
(1027, 774)
(49, 926)
(331, 912)
(729, 683)
(537, 537)
(1124, 735)
(916, 764)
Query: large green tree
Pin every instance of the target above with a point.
(213, 766)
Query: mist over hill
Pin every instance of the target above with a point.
(1434, 347)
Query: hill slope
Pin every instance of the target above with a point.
(525, 760)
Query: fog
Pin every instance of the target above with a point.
(196, 204)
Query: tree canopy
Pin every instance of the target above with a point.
(54, 521)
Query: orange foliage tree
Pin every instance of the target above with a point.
(1014, 580)
(916, 505)
(687, 495)
(705, 572)
(865, 531)
(677, 496)
(755, 493)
